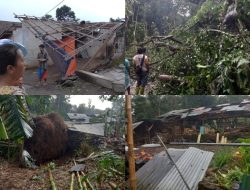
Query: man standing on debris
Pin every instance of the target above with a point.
(42, 58)
(141, 66)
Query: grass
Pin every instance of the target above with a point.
(222, 158)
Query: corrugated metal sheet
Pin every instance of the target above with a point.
(77, 116)
(246, 107)
(232, 108)
(154, 170)
(160, 174)
(137, 124)
(174, 113)
(243, 107)
(95, 128)
(196, 112)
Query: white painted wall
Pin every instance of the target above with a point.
(25, 37)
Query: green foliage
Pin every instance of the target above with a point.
(40, 104)
(3, 133)
(222, 158)
(245, 153)
(116, 124)
(237, 172)
(62, 105)
(109, 167)
(213, 59)
(15, 117)
(111, 161)
(51, 165)
(214, 64)
(106, 164)
(84, 150)
(65, 13)
(227, 179)
(208, 13)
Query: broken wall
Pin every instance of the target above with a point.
(95, 46)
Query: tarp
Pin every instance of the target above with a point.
(70, 41)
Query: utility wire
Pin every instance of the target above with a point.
(55, 7)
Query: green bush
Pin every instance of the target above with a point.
(222, 158)
(227, 179)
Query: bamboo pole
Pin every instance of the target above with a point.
(81, 187)
(217, 137)
(199, 138)
(222, 140)
(72, 181)
(130, 141)
(51, 179)
(86, 180)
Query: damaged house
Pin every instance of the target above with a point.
(73, 48)
(184, 125)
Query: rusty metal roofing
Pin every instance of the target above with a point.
(174, 113)
(214, 111)
(196, 112)
(160, 173)
(233, 108)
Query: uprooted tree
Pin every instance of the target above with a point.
(196, 47)
(41, 138)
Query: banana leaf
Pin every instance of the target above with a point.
(3, 133)
(15, 117)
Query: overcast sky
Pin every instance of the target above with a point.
(88, 10)
(84, 99)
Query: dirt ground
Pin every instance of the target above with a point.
(148, 88)
(12, 177)
(32, 86)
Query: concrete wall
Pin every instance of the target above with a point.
(121, 47)
(25, 37)
(95, 46)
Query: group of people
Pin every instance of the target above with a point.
(12, 66)
(141, 67)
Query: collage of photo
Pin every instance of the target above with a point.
(125, 95)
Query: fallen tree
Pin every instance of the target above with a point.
(49, 140)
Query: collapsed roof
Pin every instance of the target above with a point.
(53, 33)
(7, 28)
(208, 113)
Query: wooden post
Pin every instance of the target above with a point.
(130, 141)
(222, 140)
(217, 137)
(225, 140)
(199, 138)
